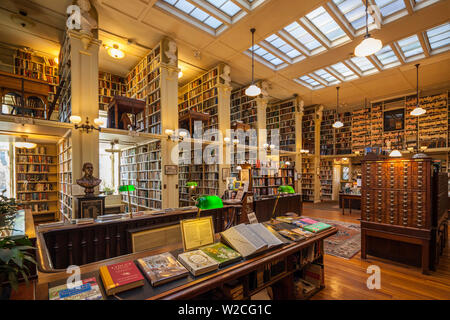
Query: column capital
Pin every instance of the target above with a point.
(86, 38)
(225, 87)
(262, 101)
(172, 71)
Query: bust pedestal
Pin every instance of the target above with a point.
(89, 206)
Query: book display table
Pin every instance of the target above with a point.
(280, 266)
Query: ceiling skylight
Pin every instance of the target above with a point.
(281, 45)
(387, 57)
(325, 76)
(261, 53)
(304, 37)
(212, 16)
(411, 47)
(354, 11)
(343, 71)
(309, 82)
(321, 20)
(363, 65)
(390, 7)
(439, 37)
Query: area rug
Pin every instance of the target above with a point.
(346, 242)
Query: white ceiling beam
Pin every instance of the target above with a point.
(211, 10)
(424, 44)
(352, 67)
(342, 22)
(294, 42)
(314, 32)
(334, 73)
(374, 60)
(243, 4)
(398, 52)
(264, 44)
(318, 79)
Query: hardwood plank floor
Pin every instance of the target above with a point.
(346, 278)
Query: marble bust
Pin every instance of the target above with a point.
(171, 53)
(88, 181)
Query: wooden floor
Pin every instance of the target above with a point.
(346, 279)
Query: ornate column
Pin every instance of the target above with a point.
(223, 119)
(169, 120)
(298, 141)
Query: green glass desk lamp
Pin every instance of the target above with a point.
(208, 203)
(128, 188)
(281, 190)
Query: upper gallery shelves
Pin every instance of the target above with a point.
(414, 47)
(212, 16)
(334, 23)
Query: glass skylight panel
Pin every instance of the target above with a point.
(410, 46)
(283, 46)
(325, 23)
(439, 37)
(363, 64)
(389, 7)
(266, 55)
(343, 71)
(314, 84)
(387, 57)
(225, 6)
(354, 11)
(326, 76)
(305, 38)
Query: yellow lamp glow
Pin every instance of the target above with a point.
(24, 144)
(98, 122)
(115, 52)
(180, 74)
(75, 119)
(395, 154)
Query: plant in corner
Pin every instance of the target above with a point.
(15, 257)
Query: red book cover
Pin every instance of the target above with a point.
(120, 274)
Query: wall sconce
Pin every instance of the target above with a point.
(238, 168)
(235, 141)
(269, 147)
(304, 151)
(227, 139)
(86, 126)
(171, 135)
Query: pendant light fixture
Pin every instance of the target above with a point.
(418, 111)
(337, 124)
(23, 143)
(253, 90)
(369, 45)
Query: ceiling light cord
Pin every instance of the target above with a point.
(253, 53)
(367, 19)
(417, 82)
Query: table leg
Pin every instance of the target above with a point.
(425, 256)
(343, 205)
(350, 205)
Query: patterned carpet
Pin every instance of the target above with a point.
(346, 242)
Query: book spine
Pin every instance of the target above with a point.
(106, 278)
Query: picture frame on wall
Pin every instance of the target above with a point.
(170, 169)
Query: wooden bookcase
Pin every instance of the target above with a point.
(36, 181)
(268, 176)
(343, 136)
(39, 67)
(308, 172)
(281, 115)
(360, 129)
(109, 85)
(243, 108)
(65, 179)
(308, 129)
(326, 179)
(141, 167)
(65, 81)
(327, 132)
(144, 83)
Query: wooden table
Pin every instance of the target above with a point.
(349, 197)
(190, 287)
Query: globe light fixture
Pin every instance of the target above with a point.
(23, 143)
(369, 45)
(115, 52)
(180, 74)
(253, 90)
(75, 119)
(395, 154)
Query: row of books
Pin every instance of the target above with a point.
(35, 196)
(32, 168)
(35, 187)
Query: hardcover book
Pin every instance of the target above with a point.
(243, 240)
(305, 221)
(197, 262)
(87, 289)
(120, 277)
(221, 253)
(162, 268)
(317, 227)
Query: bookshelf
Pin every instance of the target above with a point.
(326, 179)
(327, 132)
(141, 167)
(376, 126)
(65, 81)
(308, 129)
(287, 124)
(360, 130)
(144, 83)
(36, 181)
(109, 85)
(268, 176)
(343, 136)
(38, 67)
(65, 177)
(243, 108)
(308, 172)
(433, 125)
